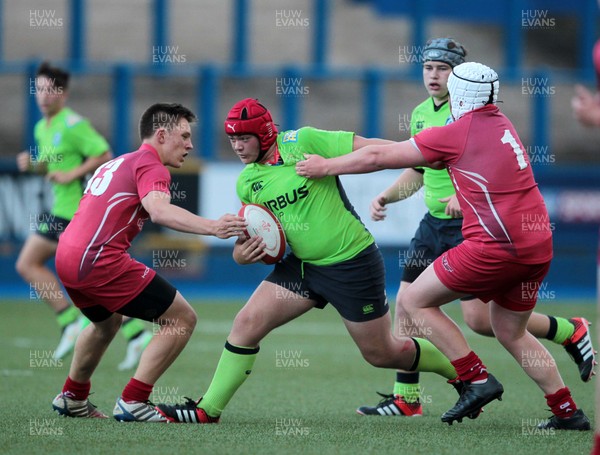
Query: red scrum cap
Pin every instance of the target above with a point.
(248, 116)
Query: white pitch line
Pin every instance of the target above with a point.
(20, 342)
(6, 372)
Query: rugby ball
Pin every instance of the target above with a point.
(262, 222)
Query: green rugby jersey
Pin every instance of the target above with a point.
(320, 224)
(63, 144)
(436, 182)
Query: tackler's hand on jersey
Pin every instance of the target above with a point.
(313, 166)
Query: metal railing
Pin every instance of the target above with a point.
(372, 80)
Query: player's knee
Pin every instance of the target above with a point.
(248, 329)
(107, 329)
(386, 356)
(506, 337)
(405, 303)
(376, 358)
(400, 311)
(478, 322)
(245, 321)
(22, 268)
(188, 318)
(404, 322)
(193, 320)
(180, 314)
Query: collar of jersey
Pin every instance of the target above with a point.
(151, 149)
(276, 160)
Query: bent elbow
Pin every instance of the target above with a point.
(157, 215)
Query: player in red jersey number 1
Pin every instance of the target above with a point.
(501, 261)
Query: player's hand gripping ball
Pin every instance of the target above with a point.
(262, 222)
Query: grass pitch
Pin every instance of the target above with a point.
(300, 399)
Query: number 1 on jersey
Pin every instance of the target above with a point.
(508, 138)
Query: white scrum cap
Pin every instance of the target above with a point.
(472, 85)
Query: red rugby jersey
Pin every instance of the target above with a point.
(502, 206)
(109, 216)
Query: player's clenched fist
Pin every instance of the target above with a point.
(378, 208)
(23, 161)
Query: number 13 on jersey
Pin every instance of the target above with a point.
(102, 177)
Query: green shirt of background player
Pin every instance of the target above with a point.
(67, 149)
(333, 259)
(439, 231)
(65, 142)
(67, 146)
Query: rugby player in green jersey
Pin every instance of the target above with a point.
(67, 149)
(440, 230)
(333, 259)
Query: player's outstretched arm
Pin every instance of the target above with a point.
(161, 211)
(371, 158)
(360, 142)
